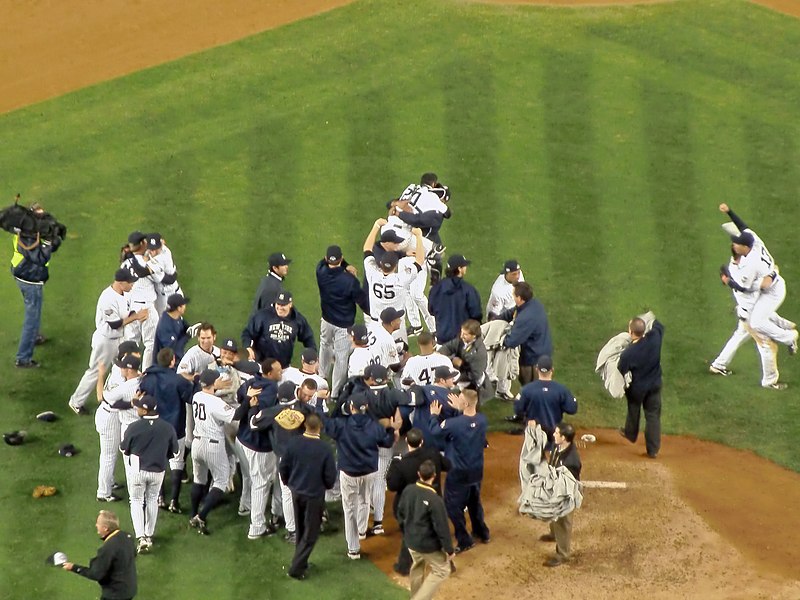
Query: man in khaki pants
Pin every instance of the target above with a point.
(426, 532)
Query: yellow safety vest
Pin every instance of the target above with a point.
(17, 257)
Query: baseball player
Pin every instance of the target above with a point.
(256, 445)
(198, 358)
(273, 331)
(501, 297)
(767, 348)
(172, 393)
(758, 272)
(106, 422)
(419, 369)
(227, 387)
(172, 330)
(389, 287)
(121, 397)
(362, 353)
(115, 376)
(308, 370)
(142, 294)
(111, 316)
(147, 445)
(358, 438)
(159, 252)
(272, 283)
(208, 451)
(339, 293)
(463, 439)
(382, 342)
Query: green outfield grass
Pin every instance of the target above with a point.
(593, 145)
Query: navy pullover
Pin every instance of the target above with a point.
(271, 335)
(171, 333)
(357, 440)
(308, 467)
(339, 293)
(452, 301)
(172, 393)
(463, 440)
(153, 441)
(257, 441)
(530, 332)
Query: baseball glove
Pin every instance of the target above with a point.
(290, 419)
(43, 490)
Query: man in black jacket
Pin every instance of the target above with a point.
(272, 283)
(426, 532)
(308, 469)
(114, 567)
(273, 331)
(403, 473)
(642, 359)
(566, 455)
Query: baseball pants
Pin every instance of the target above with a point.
(561, 529)
(106, 422)
(308, 516)
(244, 467)
(422, 587)
(334, 351)
(143, 489)
(209, 456)
(103, 352)
(262, 470)
(126, 417)
(651, 403)
(378, 491)
(761, 315)
(417, 302)
(144, 331)
(162, 294)
(178, 463)
(458, 496)
(287, 506)
(355, 507)
(766, 349)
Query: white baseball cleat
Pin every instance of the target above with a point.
(776, 386)
(354, 555)
(719, 370)
(793, 345)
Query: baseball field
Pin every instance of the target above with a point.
(591, 143)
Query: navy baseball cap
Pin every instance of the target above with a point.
(286, 391)
(154, 241)
(136, 238)
(390, 314)
(444, 372)
(510, 266)
(389, 261)
(544, 364)
(360, 402)
(248, 367)
(745, 238)
(458, 260)
(129, 361)
(147, 403)
(283, 298)
(278, 259)
(360, 333)
(230, 344)
(378, 373)
(176, 300)
(333, 254)
(127, 347)
(391, 236)
(124, 275)
(208, 377)
(309, 356)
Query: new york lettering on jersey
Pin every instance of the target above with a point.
(280, 332)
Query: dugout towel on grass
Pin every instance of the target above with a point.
(548, 493)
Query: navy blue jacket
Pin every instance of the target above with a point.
(33, 266)
(274, 336)
(463, 440)
(422, 396)
(530, 332)
(357, 440)
(339, 292)
(279, 437)
(308, 468)
(171, 333)
(172, 393)
(251, 438)
(452, 301)
(643, 361)
(545, 402)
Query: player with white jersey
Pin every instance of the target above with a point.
(382, 342)
(120, 399)
(767, 348)
(142, 294)
(159, 253)
(198, 358)
(211, 414)
(759, 273)
(362, 354)
(419, 369)
(111, 315)
(501, 298)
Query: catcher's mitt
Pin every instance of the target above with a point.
(43, 490)
(290, 419)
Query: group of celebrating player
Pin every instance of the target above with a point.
(244, 407)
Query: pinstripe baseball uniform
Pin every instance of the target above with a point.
(387, 290)
(164, 291)
(383, 346)
(419, 369)
(360, 358)
(106, 423)
(143, 295)
(112, 308)
(120, 397)
(193, 363)
(208, 452)
(147, 445)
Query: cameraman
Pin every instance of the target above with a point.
(29, 266)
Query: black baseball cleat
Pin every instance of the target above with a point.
(400, 571)
(298, 576)
(504, 396)
(118, 486)
(547, 537)
(414, 331)
(554, 561)
(461, 549)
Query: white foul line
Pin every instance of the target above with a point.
(619, 485)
